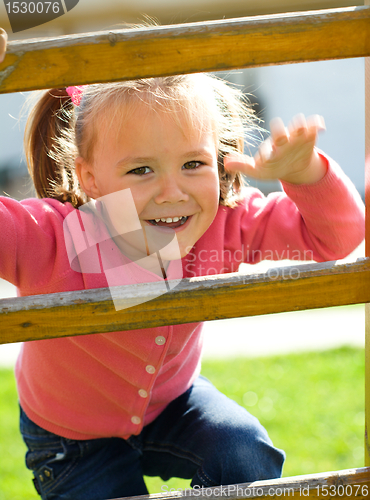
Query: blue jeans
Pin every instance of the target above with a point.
(202, 435)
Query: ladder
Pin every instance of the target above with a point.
(197, 47)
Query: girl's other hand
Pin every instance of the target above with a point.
(289, 154)
(3, 40)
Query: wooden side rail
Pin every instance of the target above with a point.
(207, 46)
(351, 483)
(367, 253)
(290, 288)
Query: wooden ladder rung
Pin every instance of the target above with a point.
(187, 48)
(281, 289)
(340, 485)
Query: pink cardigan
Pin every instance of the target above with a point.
(112, 384)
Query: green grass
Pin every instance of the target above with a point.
(312, 405)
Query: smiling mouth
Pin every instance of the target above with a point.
(171, 222)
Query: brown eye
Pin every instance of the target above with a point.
(191, 165)
(140, 171)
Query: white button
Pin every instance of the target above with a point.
(160, 340)
(143, 393)
(150, 369)
(136, 420)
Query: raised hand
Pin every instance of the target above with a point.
(289, 154)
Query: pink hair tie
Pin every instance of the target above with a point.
(75, 94)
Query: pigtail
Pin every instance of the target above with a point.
(50, 150)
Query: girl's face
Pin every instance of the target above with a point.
(171, 171)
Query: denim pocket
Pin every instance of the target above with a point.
(52, 458)
(90, 469)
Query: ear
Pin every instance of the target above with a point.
(85, 173)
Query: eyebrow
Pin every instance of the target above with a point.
(148, 159)
(132, 160)
(198, 152)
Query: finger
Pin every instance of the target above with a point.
(240, 163)
(315, 125)
(316, 122)
(279, 133)
(298, 125)
(3, 42)
(265, 151)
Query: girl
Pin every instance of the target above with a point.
(100, 411)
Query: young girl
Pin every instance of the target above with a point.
(100, 411)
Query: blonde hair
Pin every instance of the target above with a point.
(57, 131)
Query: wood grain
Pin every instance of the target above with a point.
(351, 483)
(188, 48)
(197, 299)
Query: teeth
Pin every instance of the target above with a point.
(171, 219)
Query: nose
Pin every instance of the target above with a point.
(171, 189)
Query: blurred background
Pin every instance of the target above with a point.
(334, 89)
